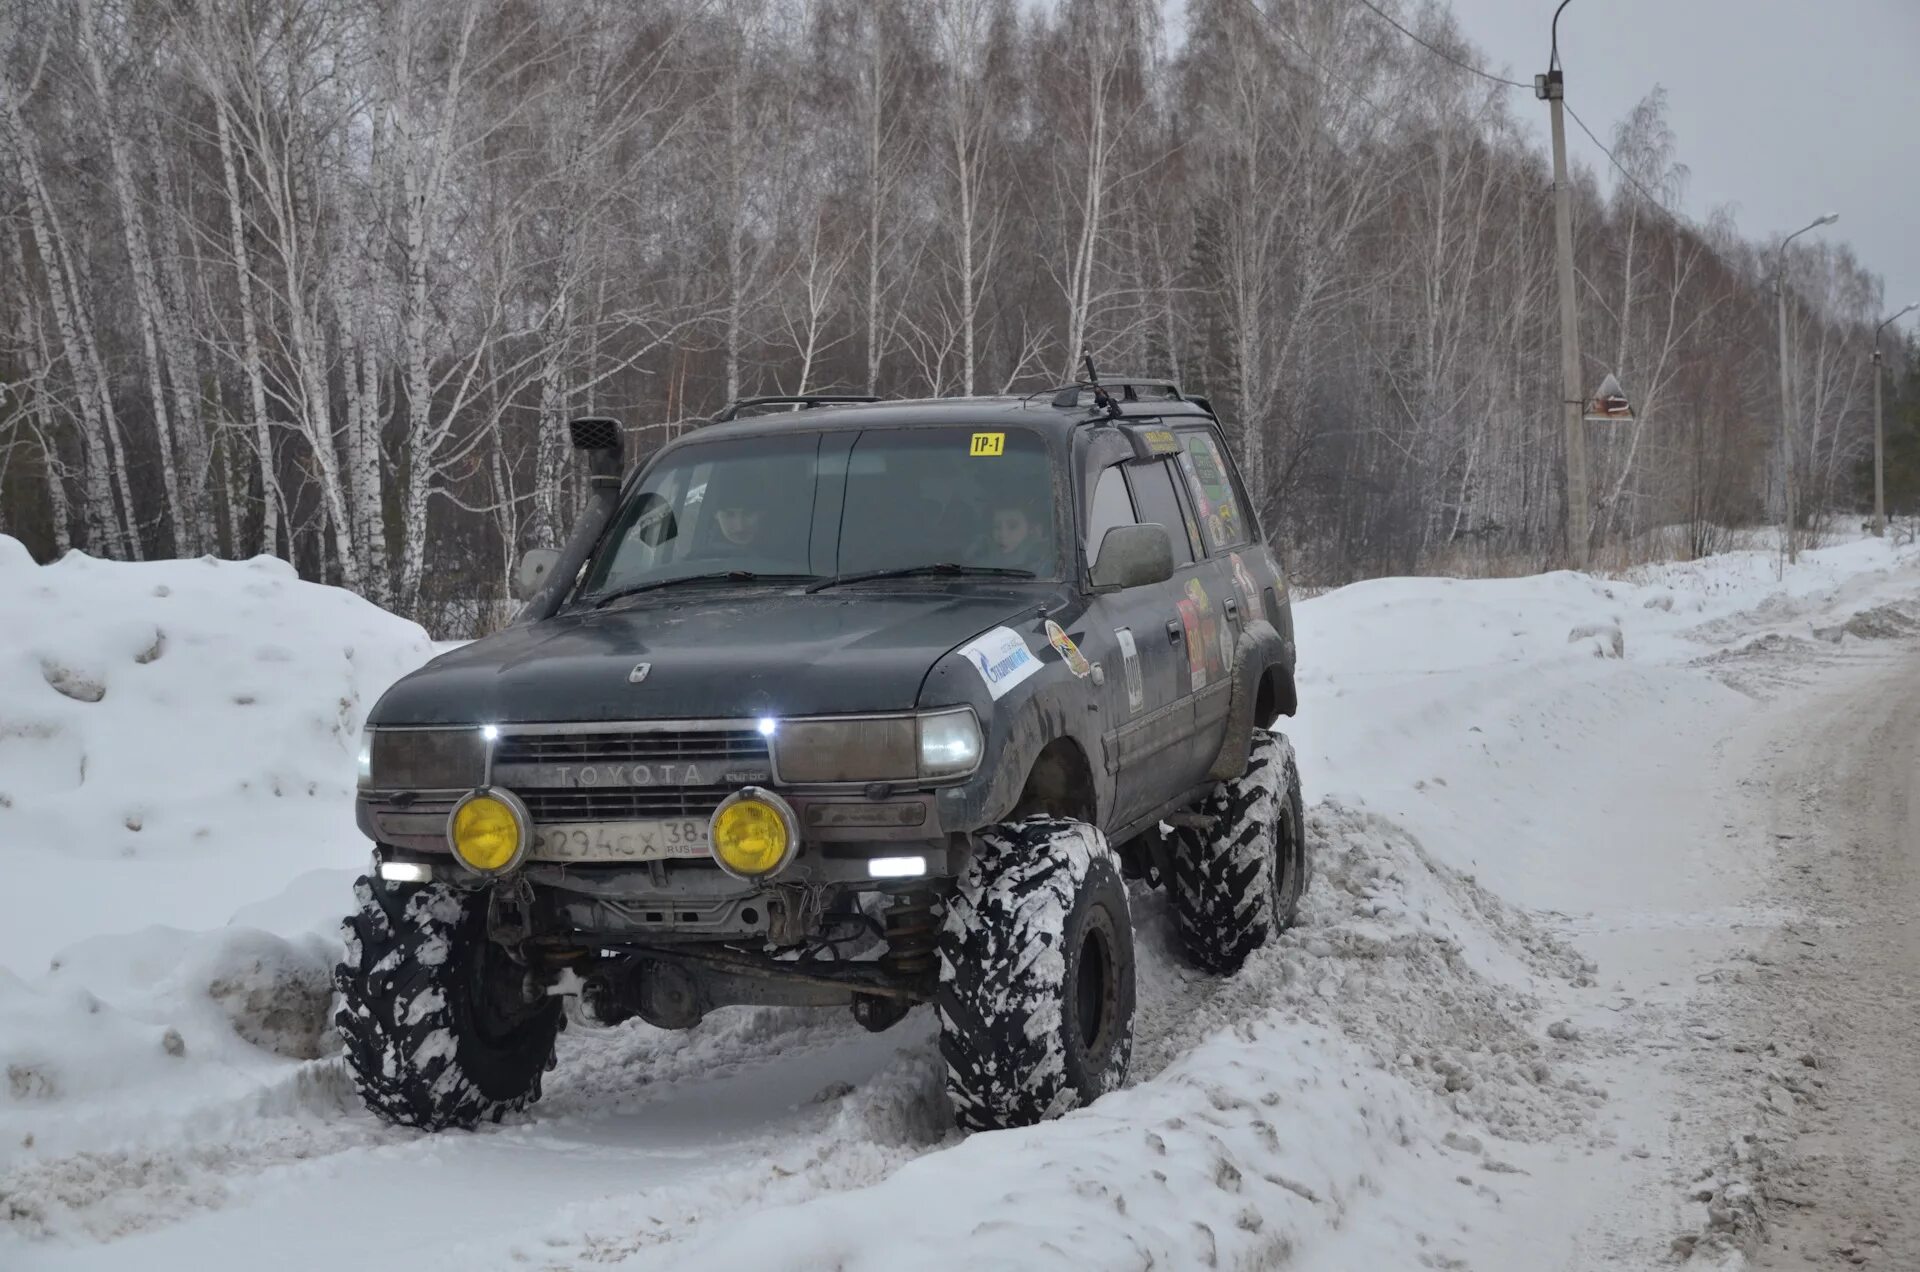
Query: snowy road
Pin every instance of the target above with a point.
(1846, 793)
(1576, 919)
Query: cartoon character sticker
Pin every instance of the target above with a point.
(1249, 590)
(1203, 634)
(1130, 655)
(1196, 647)
(1069, 652)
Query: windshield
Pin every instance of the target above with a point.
(826, 505)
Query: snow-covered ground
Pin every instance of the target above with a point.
(1534, 855)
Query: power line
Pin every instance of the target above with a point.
(1439, 52)
(1621, 168)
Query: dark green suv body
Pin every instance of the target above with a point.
(857, 704)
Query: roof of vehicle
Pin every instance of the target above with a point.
(1036, 411)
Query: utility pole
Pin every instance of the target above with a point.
(1791, 530)
(1551, 88)
(1879, 431)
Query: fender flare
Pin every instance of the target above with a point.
(1259, 648)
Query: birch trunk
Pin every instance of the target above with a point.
(250, 357)
(146, 291)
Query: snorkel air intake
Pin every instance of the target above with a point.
(598, 438)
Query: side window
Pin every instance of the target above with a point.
(1153, 495)
(1211, 484)
(1111, 506)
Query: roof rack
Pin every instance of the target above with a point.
(800, 402)
(1127, 388)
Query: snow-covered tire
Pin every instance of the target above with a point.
(1036, 975)
(1240, 880)
(436, 1034)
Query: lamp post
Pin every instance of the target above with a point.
(1786, 393)
(1879, 431)
(1551, 88)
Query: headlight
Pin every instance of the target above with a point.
(949, 743)
(876, 749)
(753, 833)
(366, 756)
(424, 759)
(899, 748)
(489, 831)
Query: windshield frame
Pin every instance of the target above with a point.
(1066, 558)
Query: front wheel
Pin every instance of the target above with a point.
(438, 1033)
(1036, 975)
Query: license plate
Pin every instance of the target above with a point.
(658, 840)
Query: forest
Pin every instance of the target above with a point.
(325, 278)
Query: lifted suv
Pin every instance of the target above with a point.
(866, 704)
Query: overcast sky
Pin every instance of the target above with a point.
(1782, 109)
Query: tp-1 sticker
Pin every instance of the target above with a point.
(1136, 691)
(987, 444)
(1002, 659)
(1070, 652)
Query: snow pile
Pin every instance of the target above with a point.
(177, 741)
(176, 738)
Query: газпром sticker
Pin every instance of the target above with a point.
(1002, 659)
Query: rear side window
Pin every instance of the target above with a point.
(1112, 506)
(1215, 498)
(1153, 494)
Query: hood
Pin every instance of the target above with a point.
(710, 655)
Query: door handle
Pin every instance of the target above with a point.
(1175, 634)
(1233, 609)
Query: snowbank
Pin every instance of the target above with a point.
(177, 739)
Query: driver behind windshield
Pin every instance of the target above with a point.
(739, 525)
(1016, 540)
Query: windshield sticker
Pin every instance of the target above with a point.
(987, 445)
(1159, 441)
(1002, 659)
(1070, 652)
(1136, 691)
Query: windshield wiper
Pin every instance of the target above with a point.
(947, 568)
(711, 576)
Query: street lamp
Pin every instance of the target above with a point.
(1879, 433)
(1786, 393)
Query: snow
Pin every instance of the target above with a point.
(1524, 843)
(176, 738)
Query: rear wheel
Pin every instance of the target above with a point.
(438, 1033)
(1036, 975)
(1239, 880)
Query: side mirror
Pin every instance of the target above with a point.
(531, 574)
(1133, 556)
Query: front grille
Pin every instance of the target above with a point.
(738, 747)
(630, 803)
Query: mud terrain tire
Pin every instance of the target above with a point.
(1036, 975)
(436, 1035)
(1240, 881)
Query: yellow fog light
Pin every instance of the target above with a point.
(753, 833)
(490, 830)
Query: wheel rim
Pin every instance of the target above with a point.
(496, 1011)
(1286, 854)
(1096, 989)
